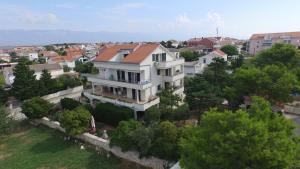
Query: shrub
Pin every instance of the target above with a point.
(70, 104)
(152, 114)
(182, 112)
(111, 114)
(5, 120)
(75, 121)
(123, 135)
(36, 108)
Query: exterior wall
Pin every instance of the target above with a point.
(256, 46)
(33, 56)
(148, 73)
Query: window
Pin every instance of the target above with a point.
(204, 60)
(163, 57)
(159, 87)
(158, 72)
(153, 57)
(157, 57)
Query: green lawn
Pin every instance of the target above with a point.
(43, 148)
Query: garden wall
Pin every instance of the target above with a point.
(132, 156)
(73, 93)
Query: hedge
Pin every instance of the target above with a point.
(70, 104)
(111, 114)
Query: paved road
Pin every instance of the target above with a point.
(296, 119)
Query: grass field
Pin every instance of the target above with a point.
(43, 148)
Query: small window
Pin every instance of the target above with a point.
(163, 57)
(157, 57)
(204, 60)
(159, 87)
(158, 72)
(153, 57)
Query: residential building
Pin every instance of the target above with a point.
(207, 42)
(54, 69)
(132, 75)
(259, 42)
(69, 60)
(197, 67)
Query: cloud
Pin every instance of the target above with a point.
(215, 18)
(132, 5)
(186, 24)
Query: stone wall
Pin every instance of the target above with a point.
(132, 156)
(73, 93)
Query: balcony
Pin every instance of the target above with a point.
(169, 64)
(178, 90)
(113, 82)
(122, 101)
(176, 76)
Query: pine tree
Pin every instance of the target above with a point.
(24, 86)
(46, 83)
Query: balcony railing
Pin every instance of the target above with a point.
(143, 82)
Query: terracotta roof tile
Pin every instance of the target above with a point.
(140, 53)
(108, 52)
(219, 52)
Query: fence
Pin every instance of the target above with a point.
(132, 156)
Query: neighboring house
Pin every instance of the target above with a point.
(259, 42)
(5, 57)
(69, 60)
(30, 55)
(197, 67)
(192, 68)
(54, 69)
(132, 75)
(207, 42)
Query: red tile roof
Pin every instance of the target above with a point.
(219, 52)
(274, 35)
(108, 52)
(140, 53)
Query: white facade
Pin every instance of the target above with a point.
(135, 85)
(197, 67)
(33, 56)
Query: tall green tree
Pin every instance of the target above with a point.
(216, 73)
(168, 102)
(258, 138)
(46, 83)
(230, 50)
(25, 84)
(190, 56)
(201, 95)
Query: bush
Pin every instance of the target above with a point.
(5, 120)
(182, 112)
(111, 114)
(123, 135)
(70, 104)
(152, 114)
(76, 121)
(36, 108)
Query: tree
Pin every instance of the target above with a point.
(216, 73)
(279, 54)
(70, 104)
(163, 43)
(36, 108)
(168, 102)
(25, 84)
(46, 83)
(123, 135)
(169, 44)
(66, 68)
(152, 114)
(259, 138)
(201, 95)
(5, 121)
(271, 82)
(230, 50)
(237, 62)
(75, 121)
(190, 56)
(165, 142)
(85, 67)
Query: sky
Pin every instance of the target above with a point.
(174, 19)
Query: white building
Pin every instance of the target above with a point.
(197, 67)
(131, 75)
(33, 56)
(54, 69)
